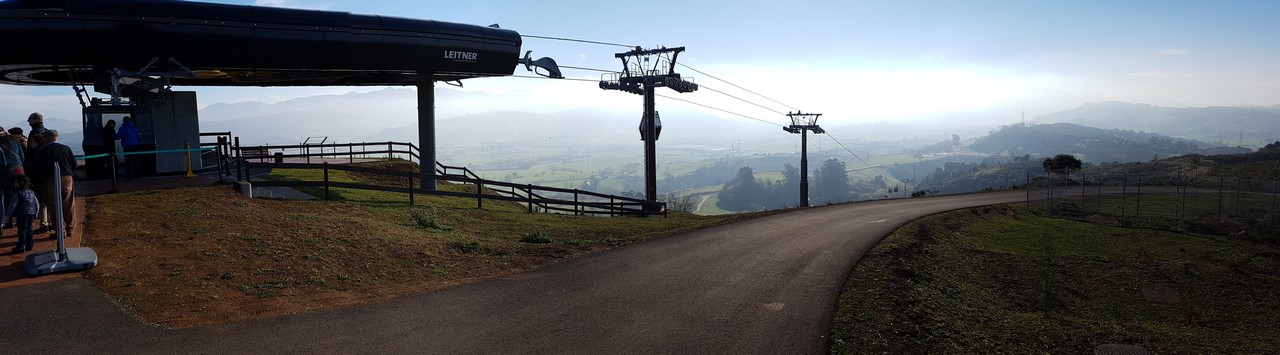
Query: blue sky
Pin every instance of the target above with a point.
(873, 60)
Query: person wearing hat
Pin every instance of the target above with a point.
(16, 134)
(12, 146)
(36, 120)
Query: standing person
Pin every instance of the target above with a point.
(109, 146)
(10, 165)
(60, 154)
(16, 134)
(129, 137)
(15, 145)
(36, 120)
(14, 151)
(22, 206)
(34, 173)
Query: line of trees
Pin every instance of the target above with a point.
(829, 184)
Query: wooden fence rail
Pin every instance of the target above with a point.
(582, 203)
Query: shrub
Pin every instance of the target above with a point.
(535, 238)
(682, 203)
(426, 219)
(472, 246)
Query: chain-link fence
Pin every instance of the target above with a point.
(1203, 204)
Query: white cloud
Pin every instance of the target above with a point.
(1173, 52)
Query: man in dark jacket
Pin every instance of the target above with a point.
(60, 154)
(36, 144)
(36, 120)
(107, 147)
(129, 140)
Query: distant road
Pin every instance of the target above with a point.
(764, 286)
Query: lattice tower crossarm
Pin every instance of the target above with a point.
(643, 71)
(802, 124)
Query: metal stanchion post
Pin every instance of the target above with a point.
(113, 172)
(220, 154)
(239, 161)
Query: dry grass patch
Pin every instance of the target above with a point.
(195, 256)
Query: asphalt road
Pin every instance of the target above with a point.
(764, 286)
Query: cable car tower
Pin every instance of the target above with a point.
(802, 123)
(644, 70)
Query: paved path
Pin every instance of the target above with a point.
(764, 286)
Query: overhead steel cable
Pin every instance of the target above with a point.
(718, 109)
(864, 162)
(811, 143)
(591, 69)
(543, 77)
(704, 86)
(659, 95)
(736, 86)
(824, 151)
(578, 40)
(681, 64)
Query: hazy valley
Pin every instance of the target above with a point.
(700, 154)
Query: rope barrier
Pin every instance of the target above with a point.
(104, 155)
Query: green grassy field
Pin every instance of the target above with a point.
(1246, 215)
(709, 207)
(1003, 280)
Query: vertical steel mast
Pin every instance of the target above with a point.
(644, 70)
(802, 123)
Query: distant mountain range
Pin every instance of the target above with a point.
(1089, 144)
(1016, 150)
(1220, 125)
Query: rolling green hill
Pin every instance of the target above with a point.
(1263, 165)
(1087, 143)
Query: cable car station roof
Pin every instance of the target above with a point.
(66, 42)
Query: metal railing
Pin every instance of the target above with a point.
(331, 151)
(536, 198)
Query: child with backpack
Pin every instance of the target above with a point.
(23, 206)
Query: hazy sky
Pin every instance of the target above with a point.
(866, 60)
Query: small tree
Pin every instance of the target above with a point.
(741, 193)
(1062, 164)
(678, 202)
(831, 182)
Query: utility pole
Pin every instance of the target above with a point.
(802, 123)
(644, 70)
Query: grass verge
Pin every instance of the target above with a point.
(196, 256)
(1000, 279)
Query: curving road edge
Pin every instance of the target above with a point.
(766, 285)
